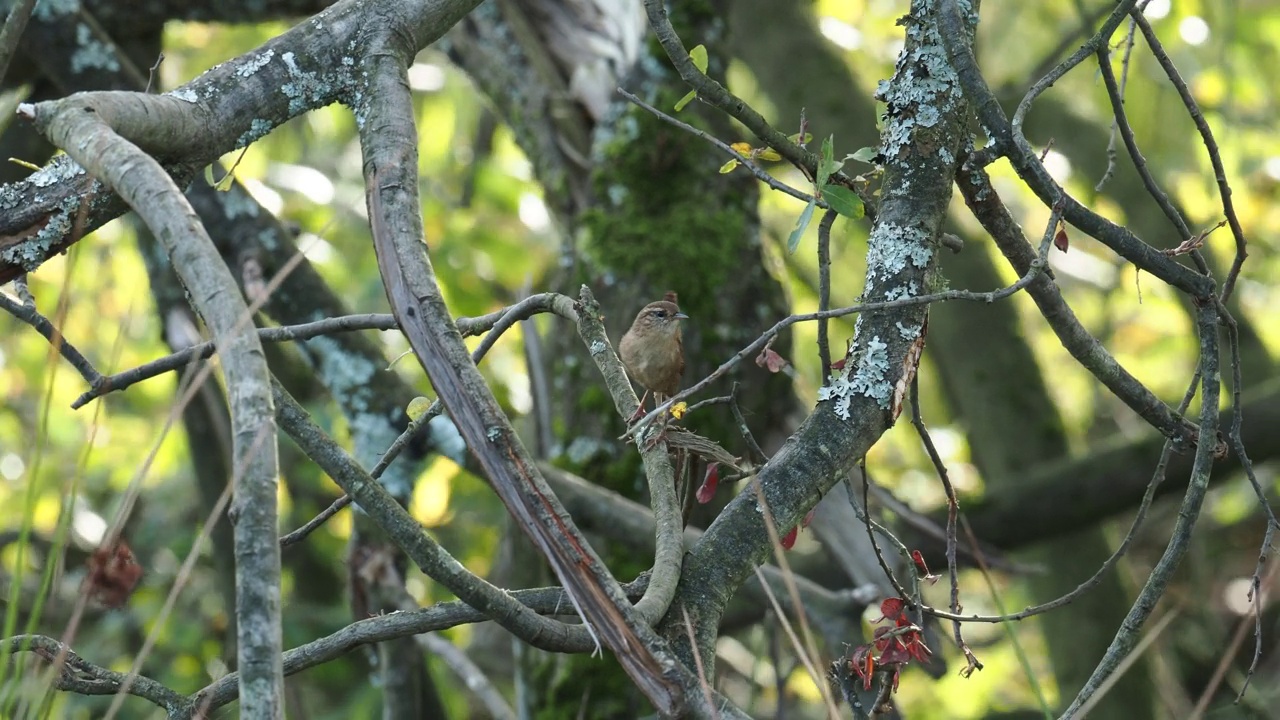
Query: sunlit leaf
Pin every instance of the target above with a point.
(688, 98)
(699, 57)
(866, 155)
(679, 409)
(741, 148)
(802, 223)
(769, 154)
(416, 407)
(728, 167)
(843, 200)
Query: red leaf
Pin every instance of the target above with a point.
(839, 364)
(918, 559)
(789, 540)
(709, 482)
(895, 654)
(917, 649)
(1060, 240)
(771, 360)
(808, 518)
(891, 608)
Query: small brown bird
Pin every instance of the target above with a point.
(652, 350)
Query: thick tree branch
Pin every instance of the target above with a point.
(389, 141)
(85, 132)
(228, 107)
(859, 406)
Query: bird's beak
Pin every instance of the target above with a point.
(680, 316)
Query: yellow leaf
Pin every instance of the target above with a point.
(416, 407)
(728, 167)
(769, 154)
(23, 163)
(679, 409)
(741, 148)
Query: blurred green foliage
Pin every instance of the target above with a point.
(489, 249)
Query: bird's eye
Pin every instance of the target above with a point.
(659, 313)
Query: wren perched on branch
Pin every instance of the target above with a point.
(652, 350)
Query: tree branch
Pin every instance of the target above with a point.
(82, 126)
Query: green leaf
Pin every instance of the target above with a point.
(699, 57)
(417, 407)
(208, 175)
(843, 200)
(866, 155)
(827, 164)
(729, 166)
(686, 100)
(793, 241)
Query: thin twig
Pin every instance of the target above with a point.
(471, 675)
(1124, 82)
(746, 162)
(1139, 162)
(27, 313)
(1037, 267)
(301, 533)
(953, 509)
(1010, 142)
(1210, 146)
(824, 290)
(1237, 446)
(1154, 588)
(697, 662)
(1229, 653)
(712, 92)
(174, 361)
(760, 456)
(1099, 39)
(1157, 477)
(497, 323)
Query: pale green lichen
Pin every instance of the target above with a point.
(258, 129)
(253, 64)
(863, 375)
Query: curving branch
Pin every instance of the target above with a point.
(1012, 143)
(86, 127)
(990, 210)
(390, 144)
(85, 678)
(228, 107)
(858, 407)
